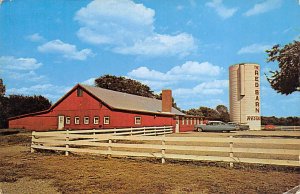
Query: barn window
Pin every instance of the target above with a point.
(76, 120)
(68, 120)
(195, 122)
(182, 120)
(79, 92)
(187, 121)
(96, 120)
(106, 120)
(86, 120)
(137, 120)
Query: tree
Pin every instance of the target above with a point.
(206, 112)
(195, 112)
(288, 121)
(122, 84)
(287, 79)
(2, 88)
(15, 105)
(223, 111)
(4, 112)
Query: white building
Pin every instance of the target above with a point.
(244, 94)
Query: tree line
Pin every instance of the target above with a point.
(14, 105)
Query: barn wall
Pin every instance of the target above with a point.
(38, 122)
(187, 123)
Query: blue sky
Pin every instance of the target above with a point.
(46, 47)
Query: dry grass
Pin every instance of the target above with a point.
(96, 174)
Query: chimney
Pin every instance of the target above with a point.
(166, 100)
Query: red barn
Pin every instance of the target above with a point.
(87, 107)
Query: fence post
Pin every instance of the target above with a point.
(163, 151)
(94, 134)
(130, 131)
(144, 130)
(231, 151)
(109, 148)
(32, 141)
(67, 143)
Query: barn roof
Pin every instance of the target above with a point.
(124, 101)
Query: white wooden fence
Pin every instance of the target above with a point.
(273, 151)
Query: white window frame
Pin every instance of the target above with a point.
(187, 121)
(96, 120)
(105, 121)
(195, 121)
(135, 120)
(183, 120)
(86, 120)
(68, 120)
(77, 120)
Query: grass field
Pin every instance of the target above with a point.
(45, 172)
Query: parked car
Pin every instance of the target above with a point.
(215, 126)
(241, 127)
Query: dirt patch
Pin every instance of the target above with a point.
(97, 174)
(27, 185)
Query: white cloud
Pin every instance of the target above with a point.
(179, 7)
(90, 81)
(158, 44)
(220, 8)
(263, 7)
(190, 70)
(196, 68)
(214, 87)
(20, 68)
(35, 37)
(48, 90)
(130, 31)
(30, 76)
(145, 73)
(67, 50)
(12, 63)
(254, 48)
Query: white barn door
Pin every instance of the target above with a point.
(61, 122)
(177, 125)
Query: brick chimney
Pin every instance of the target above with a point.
(166, 100)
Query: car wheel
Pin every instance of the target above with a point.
(199, 129)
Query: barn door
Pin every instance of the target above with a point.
(61, 122)
(177, 125)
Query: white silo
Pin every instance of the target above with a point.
(244, 91)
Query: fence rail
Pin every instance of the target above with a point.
(273, 151)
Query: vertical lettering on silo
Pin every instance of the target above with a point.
(256, 92)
